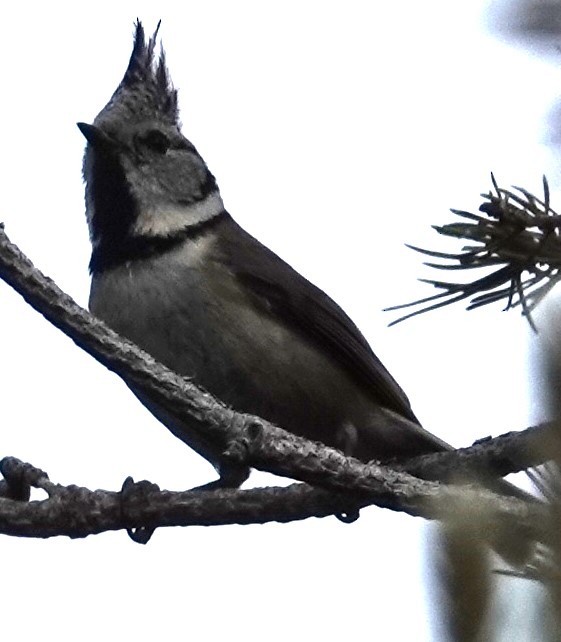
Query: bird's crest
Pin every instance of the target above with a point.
(146, 91)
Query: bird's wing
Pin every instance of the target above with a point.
(308, 310)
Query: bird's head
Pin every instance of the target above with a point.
(143, 177)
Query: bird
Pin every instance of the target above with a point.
(173, 271)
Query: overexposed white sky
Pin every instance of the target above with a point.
(337, 132)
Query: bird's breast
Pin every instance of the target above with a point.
(190, 312)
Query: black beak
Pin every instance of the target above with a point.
(95, 136)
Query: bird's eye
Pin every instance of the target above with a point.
(157, 141)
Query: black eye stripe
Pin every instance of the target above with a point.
(156, 140)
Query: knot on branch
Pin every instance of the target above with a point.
(245, 437)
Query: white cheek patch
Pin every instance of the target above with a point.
(165, 220)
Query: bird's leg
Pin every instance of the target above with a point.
(231, 476)
(349, 438)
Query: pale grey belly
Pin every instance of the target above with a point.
(202, 325)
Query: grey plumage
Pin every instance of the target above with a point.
(173, 271)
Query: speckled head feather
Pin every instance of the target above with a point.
(146, 91)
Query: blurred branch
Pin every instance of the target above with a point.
(463, 579)
(517, 237)
(530, 23)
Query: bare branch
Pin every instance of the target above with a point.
(77, 512)
(490, 457)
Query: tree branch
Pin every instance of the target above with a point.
(490, 457)
(78, 512)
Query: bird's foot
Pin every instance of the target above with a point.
(134, 493)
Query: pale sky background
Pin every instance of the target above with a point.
(337, 132)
